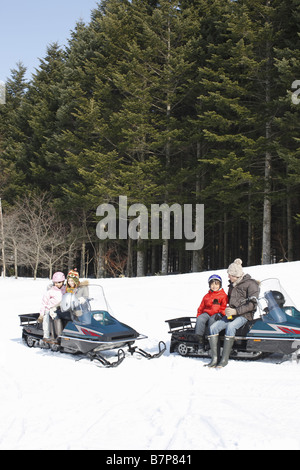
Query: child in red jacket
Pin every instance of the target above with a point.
(213, 304)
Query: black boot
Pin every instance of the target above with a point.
(227, 347)
(214, 348)
(200, 339)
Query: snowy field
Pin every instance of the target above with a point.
(51, 401)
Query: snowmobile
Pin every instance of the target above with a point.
(87, 327)
(275, 329)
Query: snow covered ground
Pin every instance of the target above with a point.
(51, 401)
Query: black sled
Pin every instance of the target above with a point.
(86, 328)
(275, 331)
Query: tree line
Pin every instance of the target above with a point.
(165, 102)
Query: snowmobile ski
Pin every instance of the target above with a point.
(98, 357)
(136, 350)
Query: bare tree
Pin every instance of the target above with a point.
(45, 239)
(114, 261)
(12, 233)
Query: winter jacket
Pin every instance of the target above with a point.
(52, 298)
(213, 302)
(82, 290)
(242, 296)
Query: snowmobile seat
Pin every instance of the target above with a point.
(64, 315)
(244, 330)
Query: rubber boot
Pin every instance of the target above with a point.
(214, 348)
(227, 347)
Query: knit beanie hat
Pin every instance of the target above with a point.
(235, 269)
(73, 274)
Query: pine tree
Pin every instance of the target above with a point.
(269, 39)
(287, 60)
(42, 158)
(167, 65)
(12, 135)
(223, 143)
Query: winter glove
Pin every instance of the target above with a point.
(230, 312)
(53, 313)
(218, 316)
(40, 319)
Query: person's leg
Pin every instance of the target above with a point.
(201, 324)
(218, 326)
(58, 327)
(227, 347)
(214, 343)
(212, 319)
(46, 325)
(234, 325)
(231, 329)
(200, 327)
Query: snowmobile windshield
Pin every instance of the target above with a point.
(275, 304)
(274, 311)
(86, 306)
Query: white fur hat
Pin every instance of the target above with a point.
(235, 269)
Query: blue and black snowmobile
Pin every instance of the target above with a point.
(274, 330)
(84, 325)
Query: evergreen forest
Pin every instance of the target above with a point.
(164, 102)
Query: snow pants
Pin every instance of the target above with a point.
(46, 325)
(51, 327)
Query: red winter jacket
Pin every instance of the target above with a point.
(213, 302)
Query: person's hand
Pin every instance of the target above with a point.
(53, 313)
(230, 312)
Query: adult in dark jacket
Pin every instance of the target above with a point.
(242, 302)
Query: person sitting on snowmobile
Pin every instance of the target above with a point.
(81, 293)
(211, 308)
(51, 301)
(74, 286)
(242, 303)
(72, 281)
